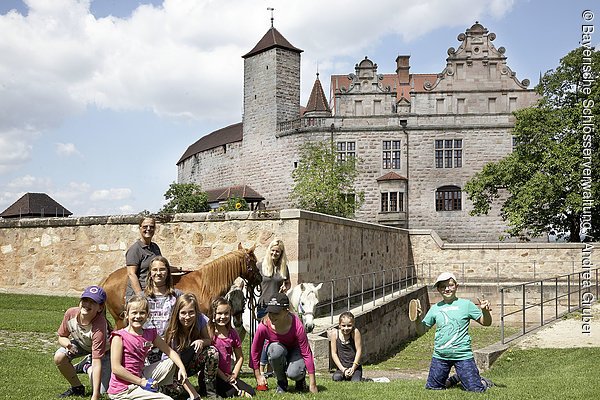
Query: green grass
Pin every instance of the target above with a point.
(28, 372)
(415, 355)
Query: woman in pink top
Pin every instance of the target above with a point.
(289, 352)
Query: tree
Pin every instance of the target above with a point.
(324, 184)
(551, 176)
(185, 198)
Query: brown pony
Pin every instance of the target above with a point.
(210, 280)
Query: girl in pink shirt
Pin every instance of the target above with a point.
(129, 347)
(227, 341)
(288, 350)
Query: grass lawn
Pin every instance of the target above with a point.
(28, 323)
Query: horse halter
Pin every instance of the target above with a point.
(251, 269)
(302, 312)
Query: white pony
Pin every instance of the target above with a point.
(303, 300)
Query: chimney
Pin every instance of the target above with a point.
(402, 69)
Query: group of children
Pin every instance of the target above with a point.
(166, 340)
(181, 341)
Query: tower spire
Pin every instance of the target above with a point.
(271, 9)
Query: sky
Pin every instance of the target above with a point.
(100, 98)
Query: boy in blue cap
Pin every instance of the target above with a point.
(83, 331)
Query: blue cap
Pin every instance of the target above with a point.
(95, 293)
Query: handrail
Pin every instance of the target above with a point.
(539, 298)
(362, 289)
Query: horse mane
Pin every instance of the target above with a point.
(216, 276)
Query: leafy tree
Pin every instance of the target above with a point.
(547, 176)
(324, 184)
(185, 198)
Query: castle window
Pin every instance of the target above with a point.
(460, 106)
(358, 108)
(391, 154)
(439, 106)
(392, 202)
(460, 71)
(448, 153)
(448, 198)
(493, 71)
(492, 104)
(377, 107)
(345, 150)
(512, 104)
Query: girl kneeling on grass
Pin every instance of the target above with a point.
(129, 348)
(84, 330)
(188, 334)
(227, 341)
(289, 353)
(346, 350)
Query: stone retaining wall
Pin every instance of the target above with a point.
(499, 262)
(63, 255)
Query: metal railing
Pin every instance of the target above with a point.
(537, 303)
(361, 290)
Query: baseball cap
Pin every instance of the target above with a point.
(444, 276)
(278, 303)
(95, 293)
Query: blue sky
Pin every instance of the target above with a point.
(100, 98)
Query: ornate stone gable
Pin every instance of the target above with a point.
(365, 79)
(478, 59)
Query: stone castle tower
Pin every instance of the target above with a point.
(420, 137)
(271, 97)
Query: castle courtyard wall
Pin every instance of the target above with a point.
(63, 255)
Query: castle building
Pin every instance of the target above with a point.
(420, 137)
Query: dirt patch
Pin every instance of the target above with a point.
(565, 333)
(395, 374)
(40, 342)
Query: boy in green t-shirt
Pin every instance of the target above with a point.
(452, 343)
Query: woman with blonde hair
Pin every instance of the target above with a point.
(275, 279)
(275, 275)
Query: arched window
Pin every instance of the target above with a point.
(448, 198)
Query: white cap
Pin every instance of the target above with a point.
(444, 276)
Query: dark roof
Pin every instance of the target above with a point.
(316, 101)
(391, 176)
(229, 134)
(35, 205)
(243, 191)
(271, 40)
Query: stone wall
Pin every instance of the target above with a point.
(495, 261)
(386, 327)
(63, 255)
(216, 168)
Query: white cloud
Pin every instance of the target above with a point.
(111, 194)
(14, 148)
(67, 149)
(126, 209)
(182, 59)
(30, 183)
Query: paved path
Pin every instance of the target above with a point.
(565, 333)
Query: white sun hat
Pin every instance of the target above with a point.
(444, 276)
